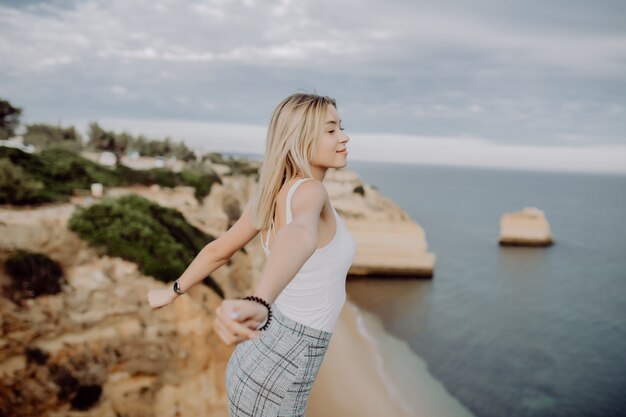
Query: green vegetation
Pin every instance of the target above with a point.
(16, 185)
(237, 166)
(200, 176)
(53, 175)
(104, 140)
(57, 169)
(216, 158)
(33, 274)
(43, 136)
(157, 238)
(9, 119)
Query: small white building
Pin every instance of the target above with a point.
(17, 142)
(133, 155)
(108, 158)
(159, 162)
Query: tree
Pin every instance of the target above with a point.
(9, 119)
(44, 136)
(100, 139)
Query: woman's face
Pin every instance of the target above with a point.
(333, 141)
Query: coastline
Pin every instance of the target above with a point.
(368, 372)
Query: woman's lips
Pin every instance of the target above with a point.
(344, 151)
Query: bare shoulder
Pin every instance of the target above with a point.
(308, 199)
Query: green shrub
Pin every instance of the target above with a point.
(61, 171)
(214, 157)
(359, 190)
(201, 177)
(44, 136)
(16, 186)
(237, 166)
(161, 176)
(157, 238)
(33, 274)
(242, 168)
(74, 171)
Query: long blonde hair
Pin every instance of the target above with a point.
(292, 137)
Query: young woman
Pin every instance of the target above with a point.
(283, 329)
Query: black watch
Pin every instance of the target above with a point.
(177, 288)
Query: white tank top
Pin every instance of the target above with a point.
(316, 294)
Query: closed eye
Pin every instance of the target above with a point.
(333, 131)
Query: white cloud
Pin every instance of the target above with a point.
(287, 30)
(583, 53)
(210, 11)
(150, 53)
(446, 68)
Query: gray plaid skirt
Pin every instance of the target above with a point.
(272, 375)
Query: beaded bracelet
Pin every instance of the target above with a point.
(261, 301)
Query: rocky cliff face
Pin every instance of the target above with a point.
(389, 242)
(97, 345)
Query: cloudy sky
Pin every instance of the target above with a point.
(531, 85)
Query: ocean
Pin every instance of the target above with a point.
(511, 331)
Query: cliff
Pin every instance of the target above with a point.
(389, 242)
(98, 346)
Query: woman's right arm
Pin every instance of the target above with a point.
(292, 246)
(295, 242)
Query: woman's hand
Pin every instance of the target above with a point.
(161, 297)
(236, 320)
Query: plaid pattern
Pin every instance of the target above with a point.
(272, 375)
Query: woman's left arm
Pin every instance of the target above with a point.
(210, 258)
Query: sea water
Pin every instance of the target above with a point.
(511, 331)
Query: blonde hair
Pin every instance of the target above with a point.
(295, 129)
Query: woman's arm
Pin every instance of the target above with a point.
(237, 320)
(210, 258)
(295, 242)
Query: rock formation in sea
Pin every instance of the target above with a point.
(528, 227)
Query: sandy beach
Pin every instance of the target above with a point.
(368, 372)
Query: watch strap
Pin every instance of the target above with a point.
(177, 288)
